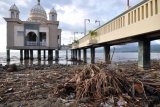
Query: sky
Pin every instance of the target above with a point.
(71, 14)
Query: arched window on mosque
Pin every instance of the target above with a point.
(53, 17)
(12, 14)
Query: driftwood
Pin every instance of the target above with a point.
(98, 84)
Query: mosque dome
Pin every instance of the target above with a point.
(14, 8)
(53, 11)
(37, 14)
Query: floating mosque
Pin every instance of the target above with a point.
(36, 33)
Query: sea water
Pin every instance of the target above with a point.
(99, 56)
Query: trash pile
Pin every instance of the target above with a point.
(30, 86)
(93, 85)
(102, 86)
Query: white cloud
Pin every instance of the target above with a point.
(23, 3)
(3, 37)
(156, 42)
(71, 14)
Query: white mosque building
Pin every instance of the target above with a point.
(36, 33)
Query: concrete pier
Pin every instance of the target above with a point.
(107, 53)
(66, 54)
(75, 54)
(85, 55)
(44, 54)
(21, 54)
(144, 54)
(39, 54)
(56, 54)
(26, 54)
(71, 54)
(79, 54)
(31, 54)
(50, 54)
(8, 55)
(92, 55)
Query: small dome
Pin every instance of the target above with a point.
(53, 11)
(14, 8)
(37, 14)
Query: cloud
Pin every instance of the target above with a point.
(3, 37)
(23, 3)
(71, 13)
(156, 42)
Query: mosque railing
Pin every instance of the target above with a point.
(32, 43)
(35, 43)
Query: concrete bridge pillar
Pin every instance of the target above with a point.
(92, 55)
(8, 55)
(39, 54)
(21, 54)
(26, 54)
(107, 53)
(31, 54)
(71, 54)
(44, 54)
(56, 54)
(50, 54)
(79, 54)
(76, 51)
(75, 54)
(144, 54)
(84, 55)
(66, 54)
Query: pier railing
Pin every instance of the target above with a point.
(140, 19)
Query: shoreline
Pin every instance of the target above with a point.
(35, 85)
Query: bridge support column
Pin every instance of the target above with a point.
(107, 53)
(31, 54)
(92, 55)
(79, 54)
(21, 54)
(26, 54)
(71, 54)
(8, 55)
(144, 54)
(66, 54)
(85, 55)
(75, 54)
(50, 54)
(44, 54)
(25, 57)
(56, 54)
(76, 51)
(39, 54)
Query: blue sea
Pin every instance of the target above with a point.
(99, 56)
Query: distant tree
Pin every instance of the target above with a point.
(92, 34)
(76, 41)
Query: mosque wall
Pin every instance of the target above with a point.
(53, 36)
(10, 34)
(45, 29)
(18, 35)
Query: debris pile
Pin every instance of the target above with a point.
(104, 86)
(94, 85)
